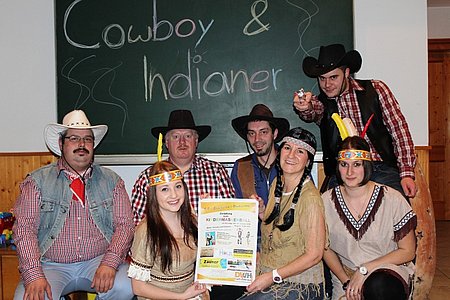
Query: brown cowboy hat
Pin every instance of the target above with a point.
(260, 112)
(330, 58)
(182, 119)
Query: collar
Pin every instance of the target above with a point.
(353, 85)
(194, 165)
(62, 166)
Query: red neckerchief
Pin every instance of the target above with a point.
(77, 188)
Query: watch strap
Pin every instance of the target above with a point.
(276, 277)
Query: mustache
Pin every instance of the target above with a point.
(81, 149)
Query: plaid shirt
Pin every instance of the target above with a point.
(393, 119)
(79, 238)
(204, 176)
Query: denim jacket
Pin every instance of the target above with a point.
(56, 196)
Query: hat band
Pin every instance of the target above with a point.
(300, 143)
(165, 177)
(354, 154)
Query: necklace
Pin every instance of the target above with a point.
(360, 212)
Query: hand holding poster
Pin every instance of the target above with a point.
(227, 238)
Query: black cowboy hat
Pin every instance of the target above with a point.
(182, 119)
(260, 112)
(330, 58)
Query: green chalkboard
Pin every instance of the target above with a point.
(128, 63)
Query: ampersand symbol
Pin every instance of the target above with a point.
(256, 18)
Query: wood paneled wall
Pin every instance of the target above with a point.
(438, 125)
(13, 169)
(15, 166)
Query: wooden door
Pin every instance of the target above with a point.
(439, 125)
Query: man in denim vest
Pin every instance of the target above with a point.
(74, 223)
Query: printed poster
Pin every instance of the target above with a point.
(227, 237)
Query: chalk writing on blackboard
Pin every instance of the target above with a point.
(132, 62)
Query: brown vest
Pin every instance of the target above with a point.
(246, 176)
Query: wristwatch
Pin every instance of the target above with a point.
(363, 270)
(276, 277)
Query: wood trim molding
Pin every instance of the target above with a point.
(424, 148)
(25, 153)
(437, 45)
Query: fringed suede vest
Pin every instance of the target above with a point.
(377, 132)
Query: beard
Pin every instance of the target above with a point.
(264, 151)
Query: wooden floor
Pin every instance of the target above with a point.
(441, 281)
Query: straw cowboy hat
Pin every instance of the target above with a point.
(330, 58)
(182, 119)
(260, 112)
(74, 120)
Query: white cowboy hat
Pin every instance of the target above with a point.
(76, 120)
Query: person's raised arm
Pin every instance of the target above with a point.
(308, 107)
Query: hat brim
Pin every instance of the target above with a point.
(351, 59)
(240, 125)
(202, 131)
(52, 133)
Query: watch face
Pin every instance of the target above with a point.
(277, 279)
(363, 270)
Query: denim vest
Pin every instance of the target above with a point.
(56, 196)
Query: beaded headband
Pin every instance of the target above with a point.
(354, 154)
(299, 143)
(165, 177)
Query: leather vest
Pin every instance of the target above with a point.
(377, 132)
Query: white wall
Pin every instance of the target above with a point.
(27, 74)
(393, 43)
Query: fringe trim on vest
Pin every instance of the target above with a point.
(406, 224)
(357, 228)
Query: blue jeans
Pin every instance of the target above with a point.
(288, 291)
(67, 278)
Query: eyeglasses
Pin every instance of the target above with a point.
(76, 139)
(178, 136)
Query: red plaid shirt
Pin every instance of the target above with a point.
(204, 176)
(79, 238)
(392, 117)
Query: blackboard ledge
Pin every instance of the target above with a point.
(148, 159)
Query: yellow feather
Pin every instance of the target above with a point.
(340, 125)
(159, 150)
